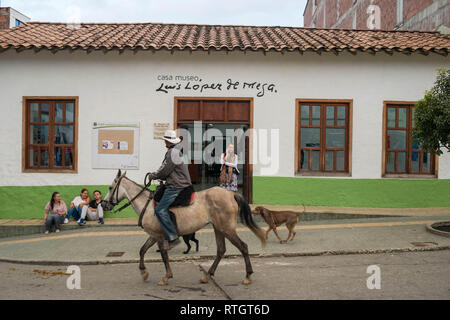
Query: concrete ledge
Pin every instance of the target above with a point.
(423, 212)
(24, 229)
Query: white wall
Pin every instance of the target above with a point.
(115, 87)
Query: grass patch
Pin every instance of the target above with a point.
(29, 202)
(370, 193)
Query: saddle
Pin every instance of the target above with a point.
(184, 198)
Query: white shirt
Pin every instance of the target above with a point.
(230, 164)
(77, 201)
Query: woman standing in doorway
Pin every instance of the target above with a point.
(229, 170)
(55, 211)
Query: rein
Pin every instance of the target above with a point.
(116, 192)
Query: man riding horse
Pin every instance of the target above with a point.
(175, 172)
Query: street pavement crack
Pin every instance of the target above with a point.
(221, 290)
(153, 296)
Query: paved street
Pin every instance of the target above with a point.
(414, 275)
(328, 259)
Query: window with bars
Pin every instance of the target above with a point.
(403, 154)
(323, 137)
(50, 135)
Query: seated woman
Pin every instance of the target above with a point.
(229, 170)
(93, 211)
(55, 210)
(77, 205)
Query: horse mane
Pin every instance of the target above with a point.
(137, 184)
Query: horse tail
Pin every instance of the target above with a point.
(245, 214)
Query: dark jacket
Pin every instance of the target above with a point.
(93, 204)
(173, 170)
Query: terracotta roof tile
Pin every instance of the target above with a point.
(159, 36)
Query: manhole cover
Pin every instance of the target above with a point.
(115, 254)
(424, 244)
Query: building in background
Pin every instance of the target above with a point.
(421, 15)
(80, 102)
(10, 18)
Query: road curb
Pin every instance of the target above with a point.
(9, 231)
(231, 256)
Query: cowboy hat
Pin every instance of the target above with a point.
(171, 136)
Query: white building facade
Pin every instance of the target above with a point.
(365, 96)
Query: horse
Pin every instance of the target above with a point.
(216, 206)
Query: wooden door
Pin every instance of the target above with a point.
(219, 111)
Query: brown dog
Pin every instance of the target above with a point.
(276, 218)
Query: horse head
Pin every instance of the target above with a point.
(115, 193)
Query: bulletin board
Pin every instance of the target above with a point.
(115, 141)
(115, 145)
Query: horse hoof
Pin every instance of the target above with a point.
(246, 281)
(204, 278)
(144, 275)
(163, 282)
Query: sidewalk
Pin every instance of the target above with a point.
(422, 212)
(327, 237)
(22, 227)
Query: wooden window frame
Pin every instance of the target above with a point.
(384, 174)
(321, 102)
(25, 134)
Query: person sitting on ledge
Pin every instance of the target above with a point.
(93, 211)
(55, 210)
(77, 205)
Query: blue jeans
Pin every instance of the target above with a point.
(162, 212)
(75, 212)
(56, 220)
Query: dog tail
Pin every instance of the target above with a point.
(304, 210)
(246, 216)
